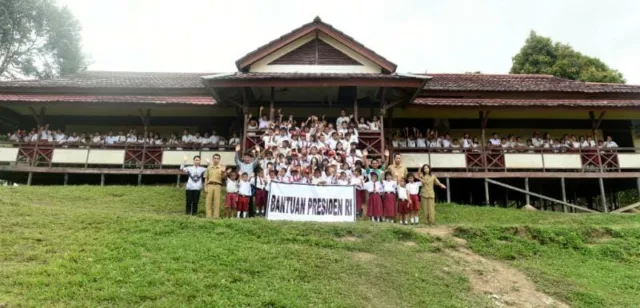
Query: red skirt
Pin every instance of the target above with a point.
(360, 196)
(404, 207)
(261, 198)
(243, 203)
(415, 202)
(231, 201)
(374, 208)
(389, 205)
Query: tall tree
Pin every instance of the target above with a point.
(540, 55)
(38, 39)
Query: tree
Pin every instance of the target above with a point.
(38, 39)
(540, 55)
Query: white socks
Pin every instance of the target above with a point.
(244, 214)
(238, 214)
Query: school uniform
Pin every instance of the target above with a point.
(403, 201)
(361, 193)
(244, 194)
(193, 188)
(389, 199)
(261, 193)
(374, 206)
(231, 199)
(342, 182)
(413, 189)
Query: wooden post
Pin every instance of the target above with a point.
(66, 179)
(102, 179)
(272, 103)
(448, 190)
(486, 192)
(526, 187)
(139, 179)
(29, 178)
(483, 124)
(178, 181)
(245, 112)
(564, 195)
(603, 197)
(355, 110)
(638, 183)
(383, 111)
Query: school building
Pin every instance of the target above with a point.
(317, 69)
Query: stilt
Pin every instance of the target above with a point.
(638, 183)
(29, 178)
(139, 179)
(486, 192)
(66, 179)
(102, 179)
(564, 195)
(178, 181)
(526, 187)
(448, 190)
(603, 197)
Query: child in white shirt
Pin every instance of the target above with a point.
(413, 189)
(231, 199)
(244, 191)
(389, 198)
(404, 203)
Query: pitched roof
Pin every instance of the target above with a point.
(299, 75)
(488, 102)
(106, 79)
(316, 24)
(191, 100)
(523, 82)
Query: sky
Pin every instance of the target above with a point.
(433, 36)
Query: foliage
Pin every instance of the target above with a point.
(540, 55)
(38, 39)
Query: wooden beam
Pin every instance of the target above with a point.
(603, 197)
(539, 196)
(626, 208)
(38, 117)
(272, 96)
(316, 83)
(487, 199)
(564, 195)
(526, 187)
(448, 190)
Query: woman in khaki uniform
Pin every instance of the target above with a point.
(427, 194)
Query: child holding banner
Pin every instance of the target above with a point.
(374, 207)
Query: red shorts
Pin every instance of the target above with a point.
(415, 202)
(404, 207)
(243, 203)
(231, 201)
(261, 198)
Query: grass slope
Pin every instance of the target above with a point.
(129, 246)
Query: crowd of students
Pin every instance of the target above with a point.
(432, 139)
(317, 152)
(131, 137)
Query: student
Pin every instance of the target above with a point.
(375, 164)
(244, 194)
(247, 164)
(404, 202)
(261, 194)
(413, 189)
(427, 195)
(357, 180)
(374, 206)
(231, 199)
(194, 184)
(342, 179)
(389, 187)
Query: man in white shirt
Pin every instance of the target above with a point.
(110, 139)
(214, 138)
(343, 118)
(60, 137)
(536, 140)
(495, 140)
(186, 137)
(610, 143)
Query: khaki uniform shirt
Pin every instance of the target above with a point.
(399, 172)
(428, 181)
(214, 174)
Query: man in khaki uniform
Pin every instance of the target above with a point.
(398, 169)
(213, 187)
(427, 193)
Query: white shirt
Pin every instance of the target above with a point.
(537, 142)
(260, 182)
(96, 139)
(610, 144)
(589, 144)
(446, 143)
(342, 182)
(195, 176)
(34, 138)
(389, 186)
(132, 139)
(332, 143)
(244, 188)
(357, 182)
(214, 139)
(413, 188)
(342, 119)
(60, 137)
(421, 142)
(186, 138)
(73, 139)
(495, 141)
(234, 141)
(109, 140)
(373, 187)
(317, 180)
(402, 193)
(411, 143)
(263, 124)
(232, 186)
(466, 143)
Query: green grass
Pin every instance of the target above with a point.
(127, 246)
(89, 246)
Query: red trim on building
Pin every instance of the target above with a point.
(191, 100)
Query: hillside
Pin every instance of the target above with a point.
(88, 246)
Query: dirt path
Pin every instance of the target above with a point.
(506, 286)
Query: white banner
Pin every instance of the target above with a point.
(303, 202)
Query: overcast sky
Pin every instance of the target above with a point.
(433, 36)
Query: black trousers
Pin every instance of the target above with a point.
(193, 196)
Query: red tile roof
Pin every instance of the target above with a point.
(515, 82)
(236, 76)
(193, 100)
(317, 23)
(481, 102)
